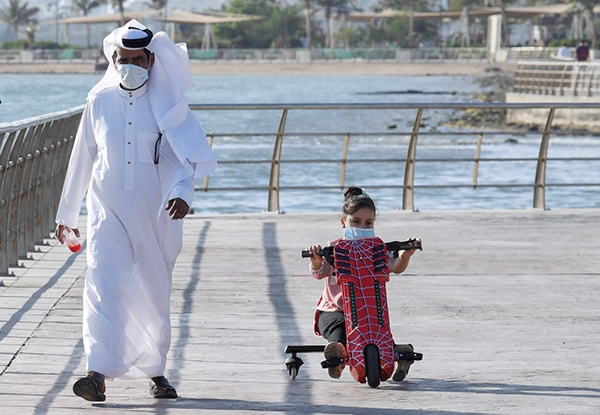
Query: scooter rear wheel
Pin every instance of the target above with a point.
(373, 365)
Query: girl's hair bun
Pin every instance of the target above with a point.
(356, 198)
(352, 191)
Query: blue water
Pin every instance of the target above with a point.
(25, 96)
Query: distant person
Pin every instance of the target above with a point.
(358, 221)
(564, 53)
(582, 53)
(136, 154)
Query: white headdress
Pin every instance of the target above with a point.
(169, 77)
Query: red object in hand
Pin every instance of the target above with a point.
(71, 240)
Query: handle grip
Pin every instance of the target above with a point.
(393, 246)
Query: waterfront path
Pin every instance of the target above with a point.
(504, 306)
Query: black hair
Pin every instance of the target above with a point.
(356, 198)
(146, 51)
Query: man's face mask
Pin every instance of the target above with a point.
(132, 76)
(358, 233)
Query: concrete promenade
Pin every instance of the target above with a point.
(504, 306)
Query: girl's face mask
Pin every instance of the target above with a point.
(358, 233)
(132, 76)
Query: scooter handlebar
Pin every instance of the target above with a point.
(393, 246)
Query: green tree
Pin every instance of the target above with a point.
(286, 25)
(250, 34)
(403, 30)
(588, 6)
(308, 14)
(409, 6)
(85, 6)
(329, 8)
(397, 30)
(280, 24)
(18, 14)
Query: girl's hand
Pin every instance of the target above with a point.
(409, 252)
(316, 260)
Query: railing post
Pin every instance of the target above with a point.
(344, 161)
(539, 190)
(590, 74)
(7, 171)
(16, 165)
(576, 85)
(477, 156)
(562, 78)
(211, 139)
(44, 189)
(275, 165)
(29, 186)
(409, 170)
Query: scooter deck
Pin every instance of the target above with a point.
(362, 270)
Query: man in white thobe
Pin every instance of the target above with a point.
(136, 154)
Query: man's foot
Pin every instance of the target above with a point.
(335, 350)
(160, 388)
(91, 388)
(402, 366)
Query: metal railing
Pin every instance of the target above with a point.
(34, 155)
(370, 54)
(572, 79)
(366, 54)
(408, 187)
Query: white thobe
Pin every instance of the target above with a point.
(132, 242)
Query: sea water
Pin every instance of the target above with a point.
(24, 96)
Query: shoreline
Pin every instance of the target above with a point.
(445, 68)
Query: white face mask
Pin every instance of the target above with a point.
(132, 76)
(358, 233)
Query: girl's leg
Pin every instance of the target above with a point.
(332, 327)
(402, 366)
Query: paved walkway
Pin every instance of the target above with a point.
(504, 305)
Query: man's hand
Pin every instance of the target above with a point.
(177, 208)
(59, 232)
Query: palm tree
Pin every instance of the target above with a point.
(308, 13)
(407, 5)
(329, 6)
(85, 6)
(588, 6)
(18, 14)
(119, 5)
(159, 5)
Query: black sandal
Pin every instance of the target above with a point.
(91, 388)
(161, 389)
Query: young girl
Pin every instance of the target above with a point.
(358, 220)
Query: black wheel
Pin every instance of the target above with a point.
(293, 372)
(372, 365)
(293, 366)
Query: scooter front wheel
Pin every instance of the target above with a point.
(372, 365)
